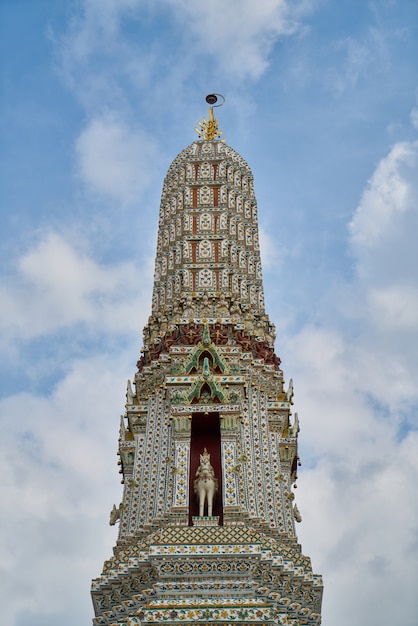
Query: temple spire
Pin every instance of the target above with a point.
(208, 447)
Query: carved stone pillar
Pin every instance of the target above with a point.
(181, 426)
(231, 467)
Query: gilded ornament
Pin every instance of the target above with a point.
(208, 130)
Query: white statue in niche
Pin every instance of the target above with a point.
(205, 484)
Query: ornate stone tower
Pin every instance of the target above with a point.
(208, 442)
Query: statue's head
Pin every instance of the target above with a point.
(205, 457)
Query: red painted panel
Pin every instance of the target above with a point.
(215, 196)
(194, 253)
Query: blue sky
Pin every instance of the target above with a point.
(97, 98)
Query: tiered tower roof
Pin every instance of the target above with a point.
(208, 232)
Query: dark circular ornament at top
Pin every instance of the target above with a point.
(212, 99)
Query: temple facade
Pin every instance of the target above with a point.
(208, 444)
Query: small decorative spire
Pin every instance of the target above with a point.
(208, 129)
(206, 335)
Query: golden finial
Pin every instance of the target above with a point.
(208, 129)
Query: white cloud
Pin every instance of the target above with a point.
(106, 70)
(391, 192)
(358, 58)
(239, 34)
(359, 514)
(269, 251)
(56, 285)
(360, 526)
(115, 159)
(59, 482)
(383, 240)
(395, 306)
(356, 62)
(94, 22)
